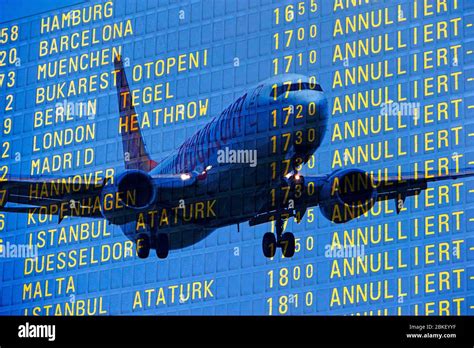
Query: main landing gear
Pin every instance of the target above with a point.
(285, 241)
(142, 244)
(159, 242)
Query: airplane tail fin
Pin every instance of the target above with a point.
(134, 149)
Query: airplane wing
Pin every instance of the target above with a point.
(318, 191)
(33, 191)
(53, 194)
(400, 187)
(59, 195)
(408, 184)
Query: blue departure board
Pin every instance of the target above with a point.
(395, 79)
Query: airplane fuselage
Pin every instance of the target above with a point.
(240, 156)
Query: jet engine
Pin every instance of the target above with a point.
(346, 195)
(133, 192)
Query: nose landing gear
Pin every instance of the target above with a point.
(285, 241)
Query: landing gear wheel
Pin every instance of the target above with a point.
(142, 245)
(269, 245)
(287, 244)
(162, 245)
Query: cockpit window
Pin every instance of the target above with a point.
(295, 87)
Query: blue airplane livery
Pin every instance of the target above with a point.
(244, 166)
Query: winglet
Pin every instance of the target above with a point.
(134, 150)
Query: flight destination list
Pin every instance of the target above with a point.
(398, 78)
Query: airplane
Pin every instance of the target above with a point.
(243, 166)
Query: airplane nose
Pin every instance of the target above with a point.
(314, 107)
